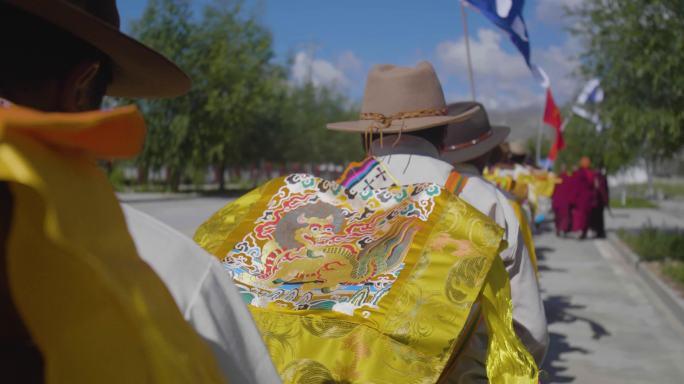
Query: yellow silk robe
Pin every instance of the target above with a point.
(330, 309)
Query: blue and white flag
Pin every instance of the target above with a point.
(508, 15)
(592, 93)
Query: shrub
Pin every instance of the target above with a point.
(653, 244)
(674, 271)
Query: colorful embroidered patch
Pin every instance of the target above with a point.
(456, 182)
(319, 246)
(364, 176)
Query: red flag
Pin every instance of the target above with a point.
(553, 118)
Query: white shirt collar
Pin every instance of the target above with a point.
(467, 169)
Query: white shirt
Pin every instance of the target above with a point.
(414, 160)
(207, 298)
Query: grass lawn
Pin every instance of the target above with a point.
(663, 248)
(654, 244)
(633, 202)
(675, 271)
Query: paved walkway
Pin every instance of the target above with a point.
(184, 214)
(605, 324)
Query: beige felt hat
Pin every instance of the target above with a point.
(139, 71)
(400, 99)
(472, 138)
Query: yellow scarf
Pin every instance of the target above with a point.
(97, 312)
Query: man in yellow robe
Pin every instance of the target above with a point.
(383, 276)
(468, 146)
(77, 304)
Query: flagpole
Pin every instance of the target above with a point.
(539, 136)
(464, 16)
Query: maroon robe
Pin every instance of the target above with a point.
(597, 223)
(561, 202)
(584, 198)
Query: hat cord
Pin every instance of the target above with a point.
(381, 121)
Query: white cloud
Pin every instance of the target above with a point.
(320, 72)
(553, 11)
(349, 62)
(487, 57)
(502, 78)
(560, 63)
(341, 73)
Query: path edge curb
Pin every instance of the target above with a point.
(666, 294)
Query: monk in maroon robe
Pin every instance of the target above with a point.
(585, 197)
(597, 223)
(561, 202)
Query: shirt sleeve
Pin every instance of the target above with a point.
(219, 314)
(206, 296)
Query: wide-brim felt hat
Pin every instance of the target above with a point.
(401, 99)
(138, 71)
(470, 139)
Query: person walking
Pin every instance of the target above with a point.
(585, 197)
(561, 203)
(468, 146)
(78, 304)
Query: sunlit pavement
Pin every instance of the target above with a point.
(606, 326)
(184, 213)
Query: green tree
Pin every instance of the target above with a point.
(240, 83)
(242, 109)
(304, 113)
(167, 26)
(635, 47)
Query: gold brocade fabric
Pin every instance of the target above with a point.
(367, 287)
(97, 312)
(519, 195)
(526, 230)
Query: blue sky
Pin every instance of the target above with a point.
(338, 42)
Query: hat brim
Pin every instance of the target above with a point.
(402, 125)
(139, 71)
(462, 155)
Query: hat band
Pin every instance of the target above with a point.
(386, 121)
(470, 143)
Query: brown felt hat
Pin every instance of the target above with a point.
(139, 71)
(472, 138)
(400, 99)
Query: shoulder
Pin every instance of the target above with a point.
(490, 200)
(180, 263)
(480, 193)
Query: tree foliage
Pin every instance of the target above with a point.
(634, 47)
(242, 108)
